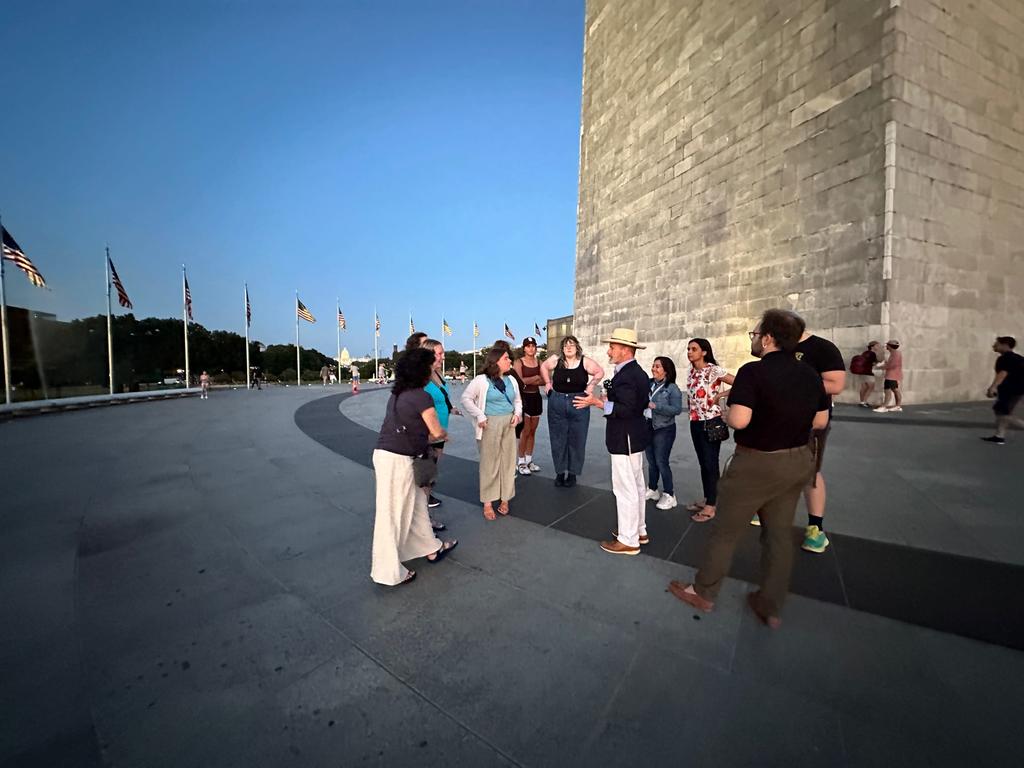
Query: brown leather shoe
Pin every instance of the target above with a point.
(754, 601)
(645, 539)
(678, 589)
(616, 547)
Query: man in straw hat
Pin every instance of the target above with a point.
(626, 437)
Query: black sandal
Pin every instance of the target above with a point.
(438, 526)
(447, 547)
(407, 579)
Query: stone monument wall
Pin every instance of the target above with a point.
(956, 132)
(740, 155)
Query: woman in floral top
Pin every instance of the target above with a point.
(704, 387)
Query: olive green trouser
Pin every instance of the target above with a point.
(768, 485)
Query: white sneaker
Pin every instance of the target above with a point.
(896, 409)
(523, 469)
(652, 495)
(666, 502)
(882, 409)
(533, 467)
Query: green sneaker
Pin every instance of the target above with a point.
(815, 540)
(755, 520)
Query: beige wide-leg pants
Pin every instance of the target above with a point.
(498, 459)
(401, 530)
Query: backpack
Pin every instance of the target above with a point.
(860, 364)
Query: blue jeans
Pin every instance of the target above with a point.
(707, 457)
(657, 459)
(567, 428)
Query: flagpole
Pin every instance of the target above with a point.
(337, 310)
(376, 333)
(110, 332)
(245, 289)
(3, 320)
(474, 349)
(184, 301)
(298, 358)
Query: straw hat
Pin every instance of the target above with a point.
(626, 336)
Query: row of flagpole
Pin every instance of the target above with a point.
(12, 252)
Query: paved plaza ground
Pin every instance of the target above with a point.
(186, 583)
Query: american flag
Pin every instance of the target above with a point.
(537, 330)
(188, 302)
(12, 252)
(301, 311)
(446, 328)
(476, 330)
(377, 320)
(341, 319)
(122, 294)
(248, 308)
(508, 332)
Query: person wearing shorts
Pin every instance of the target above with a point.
(1007, 387)
(355, 378)
(527, 368)
(893, 367)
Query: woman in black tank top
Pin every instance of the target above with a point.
(528, 368)
(566, 375)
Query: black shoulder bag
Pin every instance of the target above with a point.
(424, 465)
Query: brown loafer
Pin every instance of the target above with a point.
(678, 589)
(754, 601)
(645, 539)
(616, 547)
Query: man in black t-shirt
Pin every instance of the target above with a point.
(826, 359)
(773, 405)
(1007, 387)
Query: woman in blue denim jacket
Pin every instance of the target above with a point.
(666, 402)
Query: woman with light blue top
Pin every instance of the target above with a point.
(666, 402)
(493, 400)
(438, 391)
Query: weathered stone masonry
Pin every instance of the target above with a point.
(861, 161)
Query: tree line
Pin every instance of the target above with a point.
(51, 354)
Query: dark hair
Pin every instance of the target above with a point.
(413, 369)
(502, 344)
(491, 370)
(415, 341)
(784, 326)
(1007, 340)
(670, 368)
(561, 349)
(709, 355)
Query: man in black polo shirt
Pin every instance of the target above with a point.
(1007, 387)
(773, 406)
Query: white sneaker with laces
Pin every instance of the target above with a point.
(533, 467)
(523, 469)
(896, 409)
(666, 502)
(652, 495)
(882, 409)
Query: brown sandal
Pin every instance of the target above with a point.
(489, 513)
(703, 516)
(503, 508)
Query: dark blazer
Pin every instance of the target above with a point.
(626, 430)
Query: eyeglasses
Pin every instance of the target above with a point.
(752, 334)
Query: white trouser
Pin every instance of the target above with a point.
(629, 488)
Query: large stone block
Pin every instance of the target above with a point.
(857, 160)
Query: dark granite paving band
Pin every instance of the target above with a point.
(950, 593)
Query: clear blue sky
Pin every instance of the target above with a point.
(415, 155)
